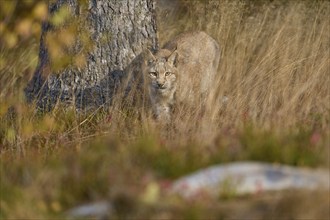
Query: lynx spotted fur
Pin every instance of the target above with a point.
(183, 71)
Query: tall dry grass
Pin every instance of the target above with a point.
(274, 67)
(273, 75)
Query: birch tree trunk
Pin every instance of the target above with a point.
(120, 31)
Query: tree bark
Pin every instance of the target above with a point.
(120, 31)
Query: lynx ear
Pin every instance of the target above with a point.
(149, 56)
(172, 59)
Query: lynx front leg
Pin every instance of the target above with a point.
(163, 113)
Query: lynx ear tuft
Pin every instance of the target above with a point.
(148, 56)
(172, 59)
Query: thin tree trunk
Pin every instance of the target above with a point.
(120, 30)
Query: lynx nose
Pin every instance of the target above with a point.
(160, 85)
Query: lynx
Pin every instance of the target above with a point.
(183, 71)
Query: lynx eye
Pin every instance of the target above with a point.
(150, 62)
(153, 74)
(168, 73)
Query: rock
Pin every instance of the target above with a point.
(99, 210)
(249, 177)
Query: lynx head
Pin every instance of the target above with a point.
(161, 70)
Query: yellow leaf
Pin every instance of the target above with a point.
(11, 135)
(56, 206)
(67, 37)
(61, 16)
(151, 194)
(54, 47)
(10, 39)
(40, 11)
(36, 29)
(24, 27)
(7, 7)
(80, 61)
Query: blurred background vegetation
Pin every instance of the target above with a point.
(274, 70)
(20, 20)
